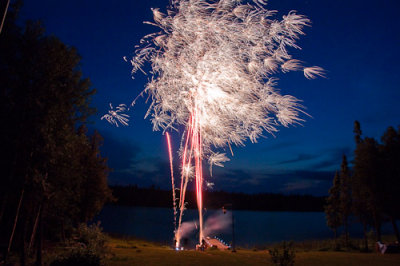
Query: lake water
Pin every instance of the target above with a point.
(252, 228)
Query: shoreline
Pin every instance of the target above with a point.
(304, 245)
(130, 251)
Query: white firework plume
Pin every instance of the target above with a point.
(218, 57)
(313, 72)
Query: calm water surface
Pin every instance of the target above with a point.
(252, 228)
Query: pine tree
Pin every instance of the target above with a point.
(369, 186)
(332, 208)
(345, 197)
(390, 151)
(357, 132)
(360, 191)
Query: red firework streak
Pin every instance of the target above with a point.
(172, 176)
(199, 174)
(192, 149)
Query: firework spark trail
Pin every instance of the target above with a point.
(113, 117)
(184, 167)
(172, 176)
(212, 72)
(199, 175)
(186, 174)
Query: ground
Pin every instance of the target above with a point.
(137, 252)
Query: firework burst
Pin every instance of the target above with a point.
(117, 116)
(212, 66)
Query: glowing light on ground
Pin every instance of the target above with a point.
(212, 66)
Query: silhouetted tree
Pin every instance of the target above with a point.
(53, 174)
(345, 197)
(368, 183)
(332, 208)
(94, 188)
(390, 151)
(360, 192)
(357, 132)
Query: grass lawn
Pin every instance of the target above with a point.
(137, 252)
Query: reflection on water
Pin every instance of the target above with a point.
(252, 228)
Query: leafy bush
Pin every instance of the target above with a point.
(87, 247)
(78, 257)
(93, 238)
(283, 255)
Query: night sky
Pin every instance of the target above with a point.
(356, 41)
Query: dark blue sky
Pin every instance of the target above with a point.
(356, 41)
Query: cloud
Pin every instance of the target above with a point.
(279, 145)
(129, 166)
(326, 159)
(388, 117)
(300, 185)
(300, 158)
(339, 152)
(333, 158)
(329, 163)
(312, 175)
(132, 166)
(148, 171)
(274, 181)
(119, 152)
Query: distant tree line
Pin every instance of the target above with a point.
(155, 197)
(53, 176)
(370, 192)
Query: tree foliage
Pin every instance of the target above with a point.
(390, 179)
(372, 191)
(367, 183)
(333, 215)
(49, 162)
(345, 196)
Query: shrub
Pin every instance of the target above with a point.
(78, 257)
(87, 247)
(283, 255)
(93, 238)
